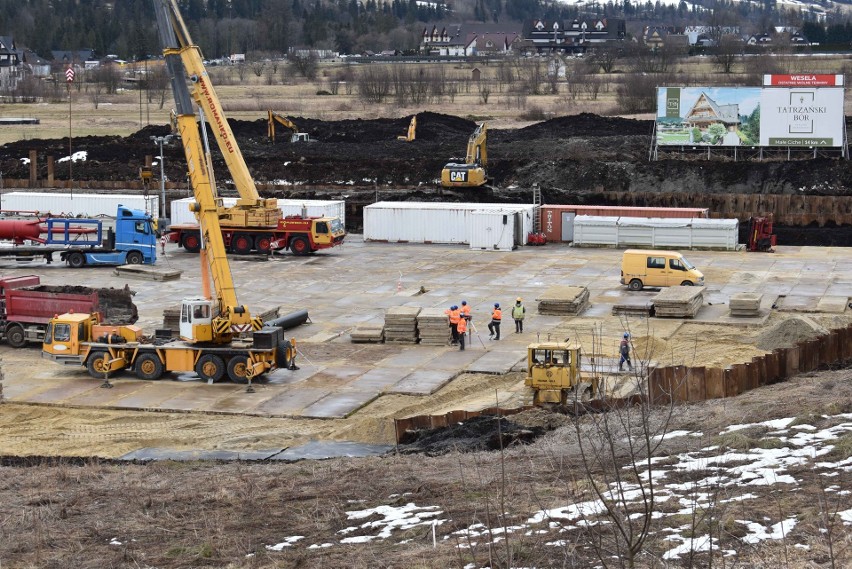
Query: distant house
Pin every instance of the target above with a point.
(759, 39)
(706, 111)
(36, 65)
(10, 64)
(575, 36)
(704, 35)
(73, 57)
(462, 40)
(655, 37)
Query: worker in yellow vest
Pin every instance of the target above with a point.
(518, 313)
(494, 325)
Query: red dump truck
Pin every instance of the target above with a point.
(26, 306)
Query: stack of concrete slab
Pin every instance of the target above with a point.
(433, 326)
(368, 334)
(171, 318)
(563, 300)
(745, 304)
(679, 302)
(401, 324)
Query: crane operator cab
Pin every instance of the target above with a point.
(196, 320)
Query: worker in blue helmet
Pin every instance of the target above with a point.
(494, 325)
(624, 352)
(465, 313)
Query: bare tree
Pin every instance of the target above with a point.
(257, 68)
(242, 69)
(606, 56)
(726, 52)
(158, 84)
(374, 84)
(484, 93)
(305, 64)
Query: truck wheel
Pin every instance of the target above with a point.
(299, 246)
(134, 258)
(237, 369)
(15, 336)
(263, 244)
(148, 366)
(687, 283)
(242, 244)
(76, 260)
(191, 243)
(97, 364)
(635, 284)
(210, 368)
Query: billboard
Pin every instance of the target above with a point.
(708, 116)
(801, 116)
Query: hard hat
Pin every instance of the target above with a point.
(496, 305)
(627, 334)
(519, 299)
(464, 303)
(454, 307)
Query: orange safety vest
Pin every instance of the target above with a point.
(462, 326)
(497, 314)
(465, 311)
(454, 315)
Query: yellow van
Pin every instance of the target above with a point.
(641, 268)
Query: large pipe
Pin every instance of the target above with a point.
(289, 320)
(20, 230)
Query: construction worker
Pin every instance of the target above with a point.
(465, 313)
(518, 312)
(462, 329)
(624, 351)
(455, 315)
(163, 240)
(494, 325)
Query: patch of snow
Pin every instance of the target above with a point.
(846, 516)
(803, 546)
(674, 435)
(288, 542)
(320, 546)
(392, 517)
(570, 512)
(774, 424)
(696, 544)
(25, 161)
(758, 533)
(114, 541)
(79, 156)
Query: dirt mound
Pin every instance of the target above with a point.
(479, 433)
(787, 333)
(587, 125)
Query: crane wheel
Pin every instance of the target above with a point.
(210, 368)
(237, 367)
(191, 243)
(299, 245)
(96, 365)
(148, 366)
(263, 244)
(242, 244)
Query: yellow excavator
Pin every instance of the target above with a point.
(295, 135)
(470, 174)
(412, 130)
(211, 329)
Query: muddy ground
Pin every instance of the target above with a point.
(573, 159)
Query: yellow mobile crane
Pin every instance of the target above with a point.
(295, 135)
(471, 174)
(209, 328)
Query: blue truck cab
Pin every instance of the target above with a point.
(133, 240)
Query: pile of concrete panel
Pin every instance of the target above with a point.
(401, 324)
(745, 304)
(563, 300)
(171, 318)
(433, 325)
(368, 334)
(679, 302)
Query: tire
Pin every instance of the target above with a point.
(635, 284)
(95, 364)
(210, 367)
(76, 260)
(148, 366)
(263, 244)
(134, 258)
(299, 246)
(15, 336)
(237, 369)
(191, 243)
(687, 283)
(242, 244)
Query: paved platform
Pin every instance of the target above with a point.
(356, 283)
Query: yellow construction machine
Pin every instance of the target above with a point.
(412, 130)
(470, 174)
(295, 135)
(553, 373)
(211, 329)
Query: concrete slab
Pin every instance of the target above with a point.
(335, 377)
(792, 303)
(102, 397)
(151, 395)
(290, 377)
(379, 379)
(833, 304)
(317, 450)
(157, 453)
(412, 357)
(339, 404)
(199, 397)
(457, 359)
(423, 382)
(52, 392)
(147, 273)
(289, 403)
(496, 361)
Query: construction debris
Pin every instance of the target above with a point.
(401, 324)
(564, 300)
(745, 304)
(433, 325)
(679, 302)
(368, 334)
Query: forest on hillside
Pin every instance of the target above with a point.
(127, 28)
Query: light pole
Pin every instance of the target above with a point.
(161, 140)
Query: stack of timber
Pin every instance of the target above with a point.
(679, 302)
(564, 300)
(368, 334)
(745, 304)
(401, 324)
(433, 325)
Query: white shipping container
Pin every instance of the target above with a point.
(658, 233)
(78, 205)
(436, 222)
(492, 230)
(180, 213)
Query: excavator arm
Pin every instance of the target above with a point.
(282, 120)
(476, 152)
(251, 209)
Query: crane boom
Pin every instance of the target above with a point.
(251, 209)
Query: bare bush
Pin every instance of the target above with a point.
(374, 84)
(306, 65)
(639, 94)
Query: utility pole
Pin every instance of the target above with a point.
(160, 141)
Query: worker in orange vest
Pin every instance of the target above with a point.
(465, 314)
(462, 329)
(455, 315)
(494, 325)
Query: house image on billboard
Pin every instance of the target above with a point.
(706, 112)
